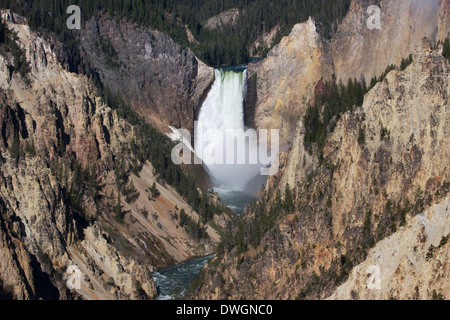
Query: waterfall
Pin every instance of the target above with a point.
(222, 112)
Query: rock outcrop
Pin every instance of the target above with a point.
(229, 17)
(364, 191)
(383, 164)
(378, 197)
(412, 264)
(165, 83)
(287, 77)
(443, 20)
(56, 131)
(360, 52)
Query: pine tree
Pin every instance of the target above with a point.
(288, 204)
(118, 213)
(226, 45)
(155, 192)
(446, 49)
(361, 137)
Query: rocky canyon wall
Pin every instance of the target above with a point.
(444, 20)
(165, 83)
(55, 131)
(384, 164)
(359, 52)
(287, 77)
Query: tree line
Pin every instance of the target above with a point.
(332, 99)
(228, 45)
(246, 231)
(446, 48)
(151, 145)
(8, 44)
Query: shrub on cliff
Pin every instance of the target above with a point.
(8, 44)
(446, 50)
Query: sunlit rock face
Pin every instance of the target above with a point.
(359, 51)
(444, 20)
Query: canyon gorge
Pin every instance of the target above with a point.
(86, 177)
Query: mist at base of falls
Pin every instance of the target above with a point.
(237, 179)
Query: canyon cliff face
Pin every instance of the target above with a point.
(284, 82)
(444, 20)
(55, 130)
(359, 52)
(369, 190)
(384, 172)
(378, 198)
(413, 263)
(165, 83)
(287, 77)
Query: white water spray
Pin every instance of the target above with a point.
(222, 112)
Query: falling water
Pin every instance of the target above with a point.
(223, 110)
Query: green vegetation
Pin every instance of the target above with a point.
(117, 210)
(122, 180)
(446, 49)
(79, 183)
(288, 204)
(333, 99)
(30, 148)
(155, 192)
(44, 258)
(329, 104)
(15, 148)
(437, 296)
(406, 62)
(245, 232)
(84, 183)
(430, 253)
(384, 133)
(196, 283)
(444, 241)
(361, 137)
(8, 44)
(151, 145)
(112, 57)
(229, 45)
(130, 193)
(194, 229)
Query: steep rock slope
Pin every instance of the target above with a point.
(361, 52)
(287, 77)
(54, 114)
(444, 20)
(362, 193)
(413, 263)
(165, 83)
(282, 84)
(223, 19)
(59, 147)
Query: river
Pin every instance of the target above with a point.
(171, 282)
(235, 178)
